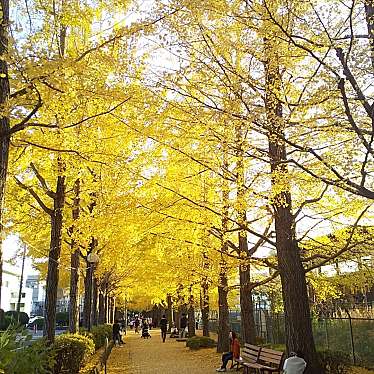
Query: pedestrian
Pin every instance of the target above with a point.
(163, 327)
(295, 364)
(137, 324)
(145, 332)
(116, 332)
(234, 351)
(183, 325)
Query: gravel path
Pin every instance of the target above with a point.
(151, 356)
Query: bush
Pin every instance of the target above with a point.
(18, 356)
(99, 333)
(198, 342)
(335, 362)
(62, 318)
(12, 316)
(71, 350)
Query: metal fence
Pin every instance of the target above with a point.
(353, 336)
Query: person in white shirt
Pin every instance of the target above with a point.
(295, 364)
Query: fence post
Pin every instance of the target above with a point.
(106, 354)
(327, 334)
(352, 340)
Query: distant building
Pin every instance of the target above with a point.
(10, 290)
(37, 287)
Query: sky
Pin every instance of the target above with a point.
(12, 247)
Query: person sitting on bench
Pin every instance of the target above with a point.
(295, 364)
(234, 351)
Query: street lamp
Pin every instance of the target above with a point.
(92, 259)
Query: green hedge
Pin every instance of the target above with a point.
(11, 318)
(198, 342)
(98, 334)
(62, 318)
(71, 352)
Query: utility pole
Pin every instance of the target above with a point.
(21, 282)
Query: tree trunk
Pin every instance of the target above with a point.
(113, 316)
(4, 121)
(223, 344)
(298, 326)
(369, 11)
(248, 326)
(205, 307)
(87, 296)
(106, 307)
(101, 309)
(95, 292)
(223, 318)
(169, 313)
(74, 292)
(74, 271)
(54, 259)
(191, 317)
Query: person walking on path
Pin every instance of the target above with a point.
(117, 333)
(183, 324)
(137, 324)
(295, 364)
(163, 327)
(234, 351)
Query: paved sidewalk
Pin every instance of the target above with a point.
(151, 356)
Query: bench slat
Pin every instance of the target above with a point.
(262, 358)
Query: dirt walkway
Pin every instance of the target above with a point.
(151, 356)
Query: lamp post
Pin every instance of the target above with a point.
(92, 260)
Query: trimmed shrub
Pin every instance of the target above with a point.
(99, 333)
(72, 351)
(335, 362)
(198, 342)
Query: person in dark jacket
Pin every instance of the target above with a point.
(163, 327)
(116, 332)
(183, 325)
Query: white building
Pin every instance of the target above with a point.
(10, 290)
(37, 287)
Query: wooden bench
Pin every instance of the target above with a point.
(269, 361)
(249, 354)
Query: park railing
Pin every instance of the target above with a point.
(353, 336)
